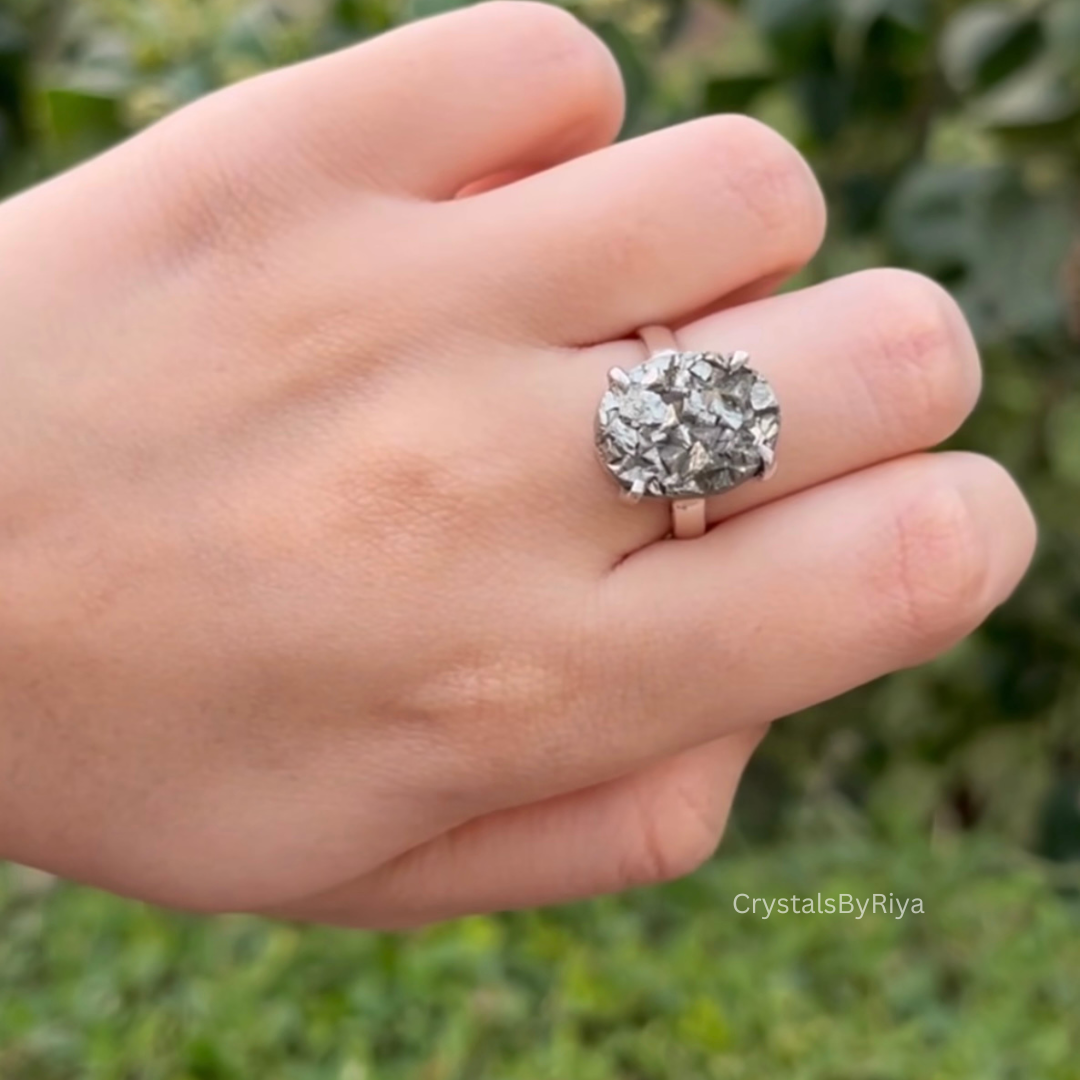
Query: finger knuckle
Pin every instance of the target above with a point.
(202, 163)
(937, 585)
(484, 689)
(924, 372)
(492, 710)
(543, 36)
(672, 833)
(763, 175)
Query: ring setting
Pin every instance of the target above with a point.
(687, 425)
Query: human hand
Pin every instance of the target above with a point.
(314, 599)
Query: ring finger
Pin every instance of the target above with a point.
(866, 368)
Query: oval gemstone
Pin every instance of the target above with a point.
(688, 424)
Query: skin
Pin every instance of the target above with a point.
(315, 600)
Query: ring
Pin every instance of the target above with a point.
(686, 425)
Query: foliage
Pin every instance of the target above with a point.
(660, 984)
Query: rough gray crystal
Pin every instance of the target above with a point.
(685, 424)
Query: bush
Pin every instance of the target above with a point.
(661, 984)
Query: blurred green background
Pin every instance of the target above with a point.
(947, 135)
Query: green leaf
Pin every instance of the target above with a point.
(934, 216)
(859, 17)
(1036, 95)
(1062, 22)
(81, 122)
(13, 39)
(676, 15)
(784, 17)
(799, 30)
(1060, 830)
(14, 77)
(734, 94)
(421, 9)
(1063, 439)
(914, 14)
(986, 42)
(1013, 292)
(1002, 245)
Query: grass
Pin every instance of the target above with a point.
(662, 983)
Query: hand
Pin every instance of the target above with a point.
(313, 596)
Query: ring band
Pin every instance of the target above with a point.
(683, 426)
(687, 515)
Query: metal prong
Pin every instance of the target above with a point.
(770, 469)
(634, 494)
(738, 359)
(618, 379)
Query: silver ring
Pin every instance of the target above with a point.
(686, 425)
